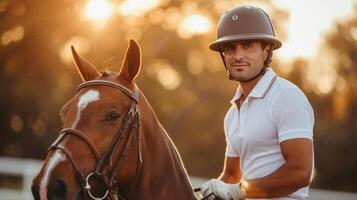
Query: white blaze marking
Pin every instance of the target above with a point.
(53, 161)
(84, 100)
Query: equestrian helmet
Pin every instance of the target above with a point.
(244, 23)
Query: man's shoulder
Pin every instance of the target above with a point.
(282, 84)
(285, 89)
(231, 111)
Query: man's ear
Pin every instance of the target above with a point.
(268, 54)
(132, 62)
(266, 50)
(86, 69)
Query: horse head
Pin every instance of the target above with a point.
(111, 145)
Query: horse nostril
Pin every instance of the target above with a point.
(57, 191)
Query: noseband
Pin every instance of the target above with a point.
(131, 120)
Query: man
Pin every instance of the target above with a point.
(269, 127)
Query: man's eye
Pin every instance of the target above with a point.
(228, 48)
(247, 46)
(112, 116)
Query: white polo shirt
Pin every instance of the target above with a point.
(275, 110)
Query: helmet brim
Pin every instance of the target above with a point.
(217, 45)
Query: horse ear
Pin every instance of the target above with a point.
(86, 69)
(132, 62)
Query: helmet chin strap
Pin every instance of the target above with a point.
(262, 71)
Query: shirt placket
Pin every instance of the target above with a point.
(242, 113)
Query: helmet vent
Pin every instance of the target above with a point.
(260, 10)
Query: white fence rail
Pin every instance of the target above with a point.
(28, 168)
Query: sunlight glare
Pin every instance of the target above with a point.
(98, 9)
(165, 73)
(196, 24)
(169, 78)
(81, 45)
(13, 35)
(353, 32)
(137, 7)
(307, 25)
(171, 17)
(245, 185)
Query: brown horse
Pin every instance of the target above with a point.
(112, 145)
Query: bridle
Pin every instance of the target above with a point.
(131, 120)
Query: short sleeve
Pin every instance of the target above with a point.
(229, 149)
(292, 114)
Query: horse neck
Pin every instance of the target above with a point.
(162, 169)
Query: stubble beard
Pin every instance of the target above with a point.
(243, 74)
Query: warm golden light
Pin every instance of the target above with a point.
(170, 19)
(81, 44)
(194, 25)
(195, 62)
(321, 73)
(3, 6)
(16, 123)
(353, 32)
(306, 28)
(98, 9)
(137, 7)
(244, 185)
(169, 78)
(13, 35)
(39, 127)
(340, 106)
(165, 74)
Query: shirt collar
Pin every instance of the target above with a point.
(261, 88)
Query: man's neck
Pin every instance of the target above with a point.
(247, 87)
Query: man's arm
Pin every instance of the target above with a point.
(231, 170)
(294, 174)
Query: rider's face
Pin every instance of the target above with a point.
(244, 59)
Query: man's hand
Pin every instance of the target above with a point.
(222, 190)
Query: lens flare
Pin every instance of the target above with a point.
(98, 9)
(196, 24)
(137, 7)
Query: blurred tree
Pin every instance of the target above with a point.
(336, 119)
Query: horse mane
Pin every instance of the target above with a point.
(179, 167)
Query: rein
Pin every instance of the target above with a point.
(207, 197)
(131, 120)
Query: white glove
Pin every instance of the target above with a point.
(222, 190)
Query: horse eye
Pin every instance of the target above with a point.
(112, 116)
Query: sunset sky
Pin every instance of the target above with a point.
(309, 21)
